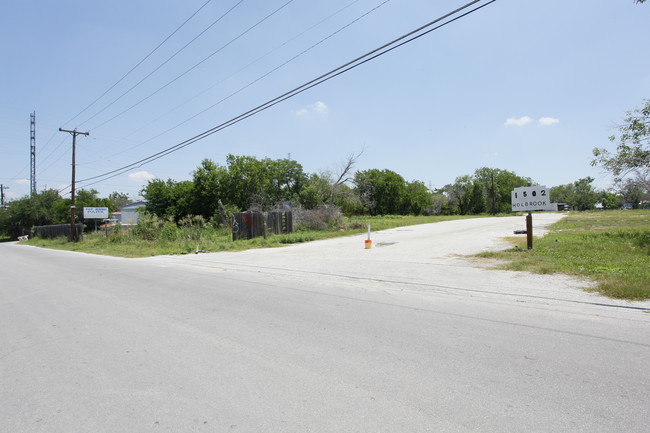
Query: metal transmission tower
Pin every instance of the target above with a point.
(32, 129)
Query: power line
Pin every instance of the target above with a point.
(259, 78)
(49, 155)
(244, 68)
(193, 67)
(139, 63)
(371, 55)
(377, 52)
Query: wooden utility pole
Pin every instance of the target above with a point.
(73, 227)
(2, 195)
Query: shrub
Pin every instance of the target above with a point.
(148, 227)
(192, 227)
(322, 218)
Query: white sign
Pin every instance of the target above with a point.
(531, 198)
(96, 212)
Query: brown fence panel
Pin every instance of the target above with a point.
(247, 225)
(279, 222)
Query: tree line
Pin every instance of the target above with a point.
(48, 207)
(249, 183)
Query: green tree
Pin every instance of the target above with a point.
(287, 179)
(347, 199)
(262, 183)
(477, 198)
(459, 194)
(27, 212)
(245, 179)
(90, 198)
(169, 199)
(209, 186)
(610, 200)
(585, 197)
(119, 200)
(633, 148)
(381, 191)
(634, 191)
(317, 191)
(417, 198)
(497, 185)
(439, 204)
(561, 193)
(579, 195)
(332, 188)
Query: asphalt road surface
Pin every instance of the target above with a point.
(408, 336)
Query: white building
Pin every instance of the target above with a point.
(130, 212)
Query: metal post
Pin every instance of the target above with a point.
(32, 176)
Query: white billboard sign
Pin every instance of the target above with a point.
(96, 212)
(531, 198)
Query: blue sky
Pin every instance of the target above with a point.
(526, 86)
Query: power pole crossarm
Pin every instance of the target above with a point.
(73, 227)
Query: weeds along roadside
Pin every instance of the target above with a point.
(611, 248)
(154, 236)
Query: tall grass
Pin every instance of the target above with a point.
(611, 248)
(154, 236)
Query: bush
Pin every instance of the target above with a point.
(322, 218)
(148, 227)
(192, 227)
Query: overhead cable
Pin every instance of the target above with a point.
(188, 70)
(371, 55)
(259, 78)
(139, 63)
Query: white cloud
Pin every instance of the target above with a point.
(521, 121)
(547, 121)
(318, 108)
(21, 181)
(141, 176)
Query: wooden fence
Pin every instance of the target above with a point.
(280, 222)
(249, 225)
(57, 230)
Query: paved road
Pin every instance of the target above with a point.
(326, 337)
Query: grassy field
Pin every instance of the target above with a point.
(169, 239)
(611, 248)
